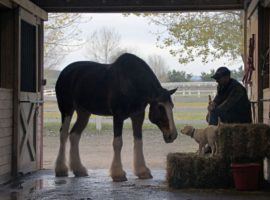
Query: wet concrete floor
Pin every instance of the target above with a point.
(43, 185)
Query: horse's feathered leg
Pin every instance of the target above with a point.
(61, 168)
(140, 168)
(75, 135)
(117, 172)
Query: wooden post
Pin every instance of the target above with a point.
(16, 88)
(98, 123)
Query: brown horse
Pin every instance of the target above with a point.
(122, 89)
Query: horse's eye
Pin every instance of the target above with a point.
(161, 109)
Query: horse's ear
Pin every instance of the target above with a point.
(172, 91)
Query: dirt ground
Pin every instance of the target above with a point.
(43, 185)
(96, 149)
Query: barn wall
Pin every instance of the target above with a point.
(6, 118)
(252, 29)
(258, 25)
(6, 92)
(7, 49)
(266, 65)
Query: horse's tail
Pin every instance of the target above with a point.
(64, 99)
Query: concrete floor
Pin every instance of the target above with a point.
(43, 185)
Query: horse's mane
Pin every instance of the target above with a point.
(136, 73)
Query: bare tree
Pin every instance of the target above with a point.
(61, 37)
(158, 65)
(103, 45)
(121, 51)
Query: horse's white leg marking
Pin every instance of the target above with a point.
(139, 165)
(75, 161)
(61, 168)
(117, 172)
(140, 168)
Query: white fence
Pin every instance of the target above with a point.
(184, 88)
(49, 92)
(192, 89)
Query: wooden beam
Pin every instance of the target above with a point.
(252, 6)
(266, 3)
(6, 3)
(137, 5)
(32, 8)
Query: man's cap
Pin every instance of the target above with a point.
(221, 72)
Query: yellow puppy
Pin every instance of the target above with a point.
(203, 136)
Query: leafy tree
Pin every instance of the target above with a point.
(208, 35)
(158, 65)
(238, 74)
(179, 76)
(61, 36)
(207, 76)
(103, 45)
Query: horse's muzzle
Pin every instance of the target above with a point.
(170, 138)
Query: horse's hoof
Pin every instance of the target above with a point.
(119, 178)
(61, 171)
(61, 174)
(80, 173)
(145, 175)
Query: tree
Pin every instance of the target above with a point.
(121, 51)
(208, 35)
(179, 76)
(61, 36)
(158, 65)
(207, 76)
(103, 45)
(238, 74)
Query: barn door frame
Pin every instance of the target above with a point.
(27, 100)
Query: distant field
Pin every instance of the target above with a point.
(190, 110)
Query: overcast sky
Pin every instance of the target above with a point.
(137, 34)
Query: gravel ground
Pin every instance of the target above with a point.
(96, 149)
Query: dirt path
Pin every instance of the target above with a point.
(96, 150)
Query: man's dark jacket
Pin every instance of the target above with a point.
(232, 103)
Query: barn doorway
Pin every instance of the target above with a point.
(96, 146)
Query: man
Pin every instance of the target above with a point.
(231, 104)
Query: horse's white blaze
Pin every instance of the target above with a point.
(60, 164)
(139, 162)
(169, 113)
(75, 161)
(116, 167)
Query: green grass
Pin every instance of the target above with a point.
(190, 116)
(52, 128)
(51, 112)
(190, 105)
(177, 116)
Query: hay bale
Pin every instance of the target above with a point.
(236, 143)
(244, 142)
(193, 171)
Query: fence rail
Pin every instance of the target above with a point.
(184, 88)
(49, 92)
